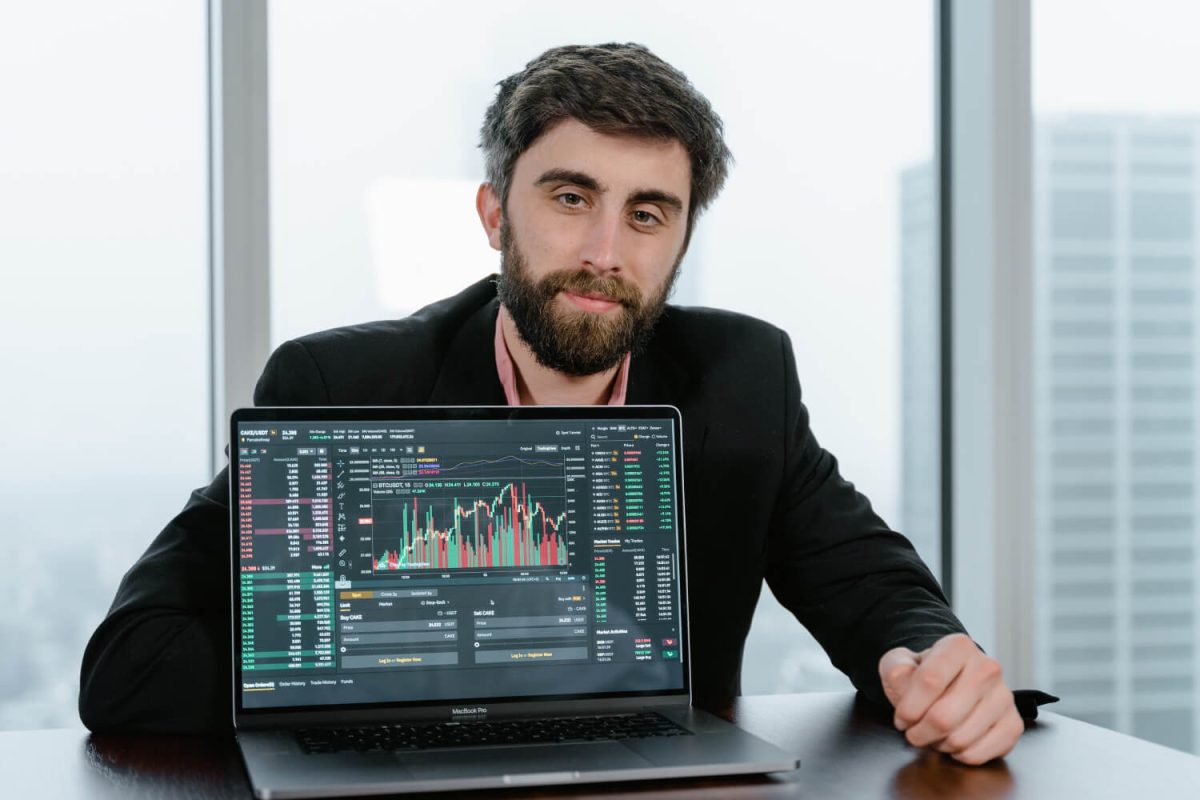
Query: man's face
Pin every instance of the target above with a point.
(591, 240)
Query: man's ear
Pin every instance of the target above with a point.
(490, 213)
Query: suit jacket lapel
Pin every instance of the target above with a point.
(468, 376)
(660, 377)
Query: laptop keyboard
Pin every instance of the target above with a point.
(466, 734)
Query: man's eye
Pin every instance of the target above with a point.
(570, 199)
(645, 218)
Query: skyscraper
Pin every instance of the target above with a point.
(1115, 345)
(1116, 338)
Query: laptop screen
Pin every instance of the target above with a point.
(449, 555)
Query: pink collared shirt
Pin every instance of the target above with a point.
(508, 375)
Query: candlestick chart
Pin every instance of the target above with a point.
(507, 521)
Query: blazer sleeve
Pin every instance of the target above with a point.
(859, 587)
(160, 661)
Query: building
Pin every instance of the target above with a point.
(1115, 343)
(1116, 340)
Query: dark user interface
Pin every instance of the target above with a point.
(418, 561)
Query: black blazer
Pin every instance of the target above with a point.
(764, 500)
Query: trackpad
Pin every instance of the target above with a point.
(522, 760)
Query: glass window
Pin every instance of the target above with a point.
(829, 216)
(103, 318)
(1115, 269)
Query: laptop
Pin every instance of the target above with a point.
(453, 598)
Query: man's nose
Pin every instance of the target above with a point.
(602, 247)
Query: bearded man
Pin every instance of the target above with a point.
(599, 162)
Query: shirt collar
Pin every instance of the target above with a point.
(508, 374)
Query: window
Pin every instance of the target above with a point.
(1115, 268)
(103, 318)
(827, 227)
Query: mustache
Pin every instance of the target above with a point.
(578, 281)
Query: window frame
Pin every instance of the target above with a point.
(239, 210)
(986, 210)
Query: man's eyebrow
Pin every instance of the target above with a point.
(657, 196)
(580, 179)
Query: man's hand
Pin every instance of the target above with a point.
(952, 697)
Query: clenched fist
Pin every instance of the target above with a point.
(952, 697)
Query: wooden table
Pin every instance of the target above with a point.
(847, 750)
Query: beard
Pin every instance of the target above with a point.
(577, 342)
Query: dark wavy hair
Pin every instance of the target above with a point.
(614, 89)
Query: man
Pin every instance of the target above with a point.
(599, 160)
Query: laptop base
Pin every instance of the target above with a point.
(278, 768)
